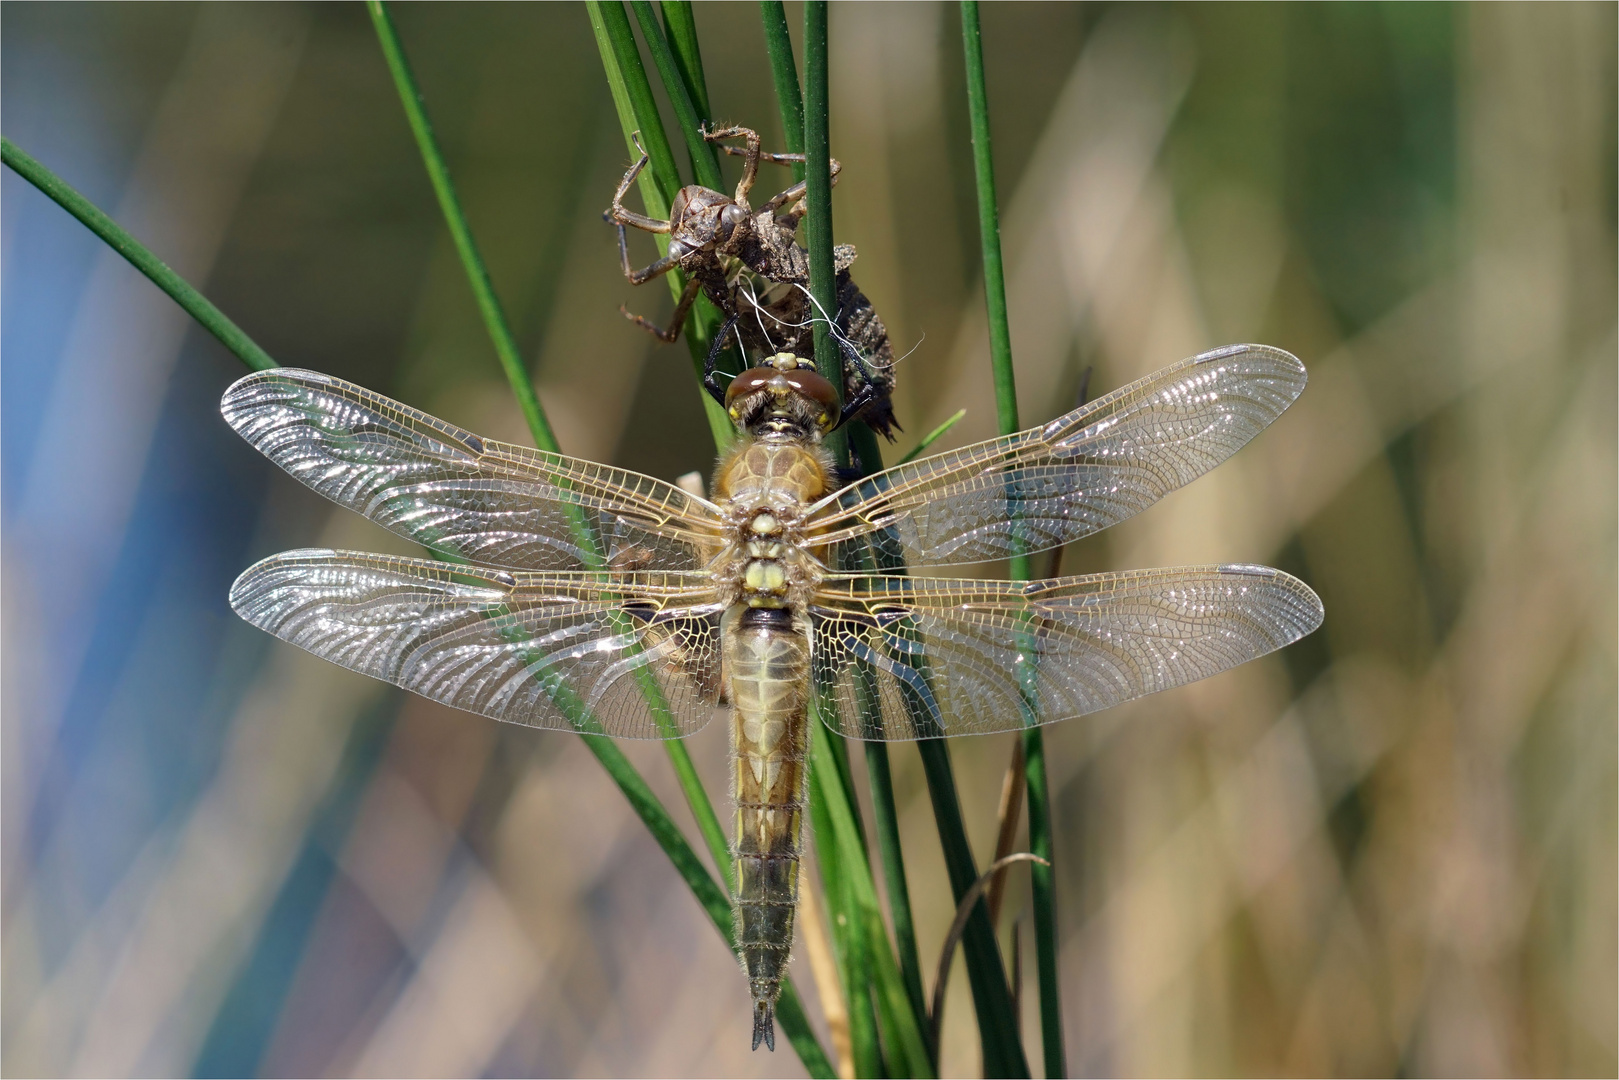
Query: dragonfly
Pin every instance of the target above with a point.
(571, 595)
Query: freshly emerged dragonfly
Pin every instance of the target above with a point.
(580, 597)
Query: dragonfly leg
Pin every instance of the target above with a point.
(711, 380)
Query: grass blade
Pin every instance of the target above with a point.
(483, 291)
(616, 25)
(829, 768)
(195, 304)
(681, 28)
(1002, 1048)
(506, 346)
(899, 893)
(637, 112)
(953, 937)
(1000, 338)
(837, 865)
(705, 165)
(784, 73)
(881, 985)
(818, 197)
(931, 437)
(997, 1022)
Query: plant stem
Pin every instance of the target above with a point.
(1042, 878)
(494, 317)
(997, 1024)
(195, 304)
(830, 762)
(705, 165)
(871, 962)
(784, 73)
(1002, 1048)
(647, 120)
(681, 27)
(638, 113)
(931, 437)
(818, 222)
(899, 893)
(702, 809)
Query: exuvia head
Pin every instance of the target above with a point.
(784, 394)
(701, 217)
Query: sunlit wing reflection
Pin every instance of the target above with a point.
(461, 495)
(954, 657)
(534, 649)
(1082, 472)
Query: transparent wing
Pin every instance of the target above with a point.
(637, 658)
(911, 658)
(458, 494)
(1080, 473)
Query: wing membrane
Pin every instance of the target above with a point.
(637, 658)
(458, 494)
(1078, 474)
(912, 658)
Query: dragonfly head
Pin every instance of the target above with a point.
(784, 394)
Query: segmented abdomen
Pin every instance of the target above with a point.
(769, 668)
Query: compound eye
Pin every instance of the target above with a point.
(678, 249)
(811, 385)
(750, 381)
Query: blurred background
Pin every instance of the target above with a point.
(1389, 849)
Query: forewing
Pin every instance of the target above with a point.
(637, 658)
(1078, 474)
(451, 491)
(910, 658)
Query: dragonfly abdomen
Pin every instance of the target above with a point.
(768, 663)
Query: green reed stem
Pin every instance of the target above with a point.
(883, 987)
(836, 865)
(997, 1022)
(784, 73)
(899, 893)
(638, 112)
(196, 305)
(645, 106)
(1000, 350)
(506, 346)
(681, 28)
(483, 290)
(632, 97)
(806, 126)
(931, 437)
(818, 222)
(705, 164)
(1002, 1048)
